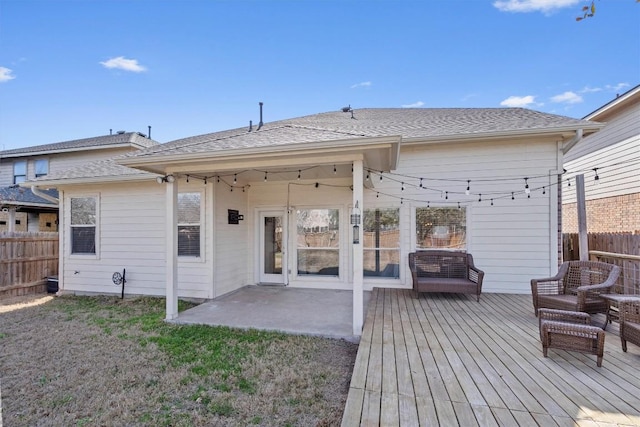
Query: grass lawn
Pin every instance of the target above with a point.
(98, 361)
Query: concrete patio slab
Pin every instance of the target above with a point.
(319, 312)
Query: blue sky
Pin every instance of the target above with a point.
(76, 69)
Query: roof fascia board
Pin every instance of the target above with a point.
(618, 103)
(291, 150)
(564, 132)
(92, 180)
(29, 205)
(64, 150)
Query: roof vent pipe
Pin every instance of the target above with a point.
(261, 123)
(149, 132)
(250, 125)
(110, 131)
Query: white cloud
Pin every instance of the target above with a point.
(5, 74)
(545, 6)
(589, 89)
(414, 105)
(122, 63)
(567, 98)
(519, 101)
(618, 87)
(361, 84)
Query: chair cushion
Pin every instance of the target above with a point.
(570, 302)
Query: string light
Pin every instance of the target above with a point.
(335, 170)
(512, 197)
(401, 201)
(597, 177)
(380, 176)
(458, 205)
(568, 182)
(377, 195)
(205, 180)
(420, 182)
(187, 179)
(428, 204)
(446, 195)
(218, 179)
(299, 174)
(468, 191)
(367, 176)
(265, 177)
(402, 189)
(543, 190)
(526, 186)
(491, 202)
(479, 197)
(235, 178)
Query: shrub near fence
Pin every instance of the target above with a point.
(26, 260)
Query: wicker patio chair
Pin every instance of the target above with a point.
(570, 330)
(576, 287)
(629, 322)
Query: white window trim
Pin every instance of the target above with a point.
(26, 170)
(414, 241)
(69, 252)
(35, 169)
(344, 234)
(201, 258)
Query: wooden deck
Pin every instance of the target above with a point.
(448, 360)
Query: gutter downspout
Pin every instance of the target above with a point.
(573, 141)
(35, 190)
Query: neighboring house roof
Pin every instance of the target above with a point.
(97, 171)
(134, 139)
(620, 102)
(15, 195)
(409, 123)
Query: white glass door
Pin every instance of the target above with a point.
(272, 247)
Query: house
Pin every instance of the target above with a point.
(23, 209)
(334, 200)
(613, 156)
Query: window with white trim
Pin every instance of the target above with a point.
(41, 167)
(19, 171)
(441, 228)
(381, 242)
(189, 225)
(318, 242)
(83, 225)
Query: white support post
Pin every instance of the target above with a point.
(171, 233)
(12, 219)
(358, 273)
(582, 219)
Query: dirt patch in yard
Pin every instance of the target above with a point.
(88, 361)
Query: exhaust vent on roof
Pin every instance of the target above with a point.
(120, 132)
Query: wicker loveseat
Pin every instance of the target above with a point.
(577, 287)
(445, 271)
(629, 322)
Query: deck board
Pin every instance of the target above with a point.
(449, 360)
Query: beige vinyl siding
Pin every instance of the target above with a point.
(512, 240)
(131, 224)
(617, 170)
(623, 126)
(231, 240)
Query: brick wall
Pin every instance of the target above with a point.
(611, 214)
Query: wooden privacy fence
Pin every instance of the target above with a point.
(26, 260)
(622, 249)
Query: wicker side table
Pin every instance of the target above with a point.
(570, 331)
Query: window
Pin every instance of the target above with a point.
(318, 241)
(83, 225)
(382, 242)
(19, 171)
(441, 228)
(189, 224)
(42, 167)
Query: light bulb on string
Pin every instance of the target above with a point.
(568, 182)
(335, 170)
(235, 178)
(468, 190)
(299, 174)
(380, 176)
(217, 179)
(544, 191)
(205, 180)
(596, 178)
(265, 177)
(446, 195)
(401, 201)
(402, 189)
(377, 195)
(526, 186)
(458, 205)
(187, 179)
(512, 196)
(479, 197)
(491, 202)
(420, 182)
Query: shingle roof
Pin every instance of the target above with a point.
(133, 138)
(375, 122)
(97, 169)
(15, 195)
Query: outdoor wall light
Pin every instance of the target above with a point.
(355, 221)
(166, 178)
